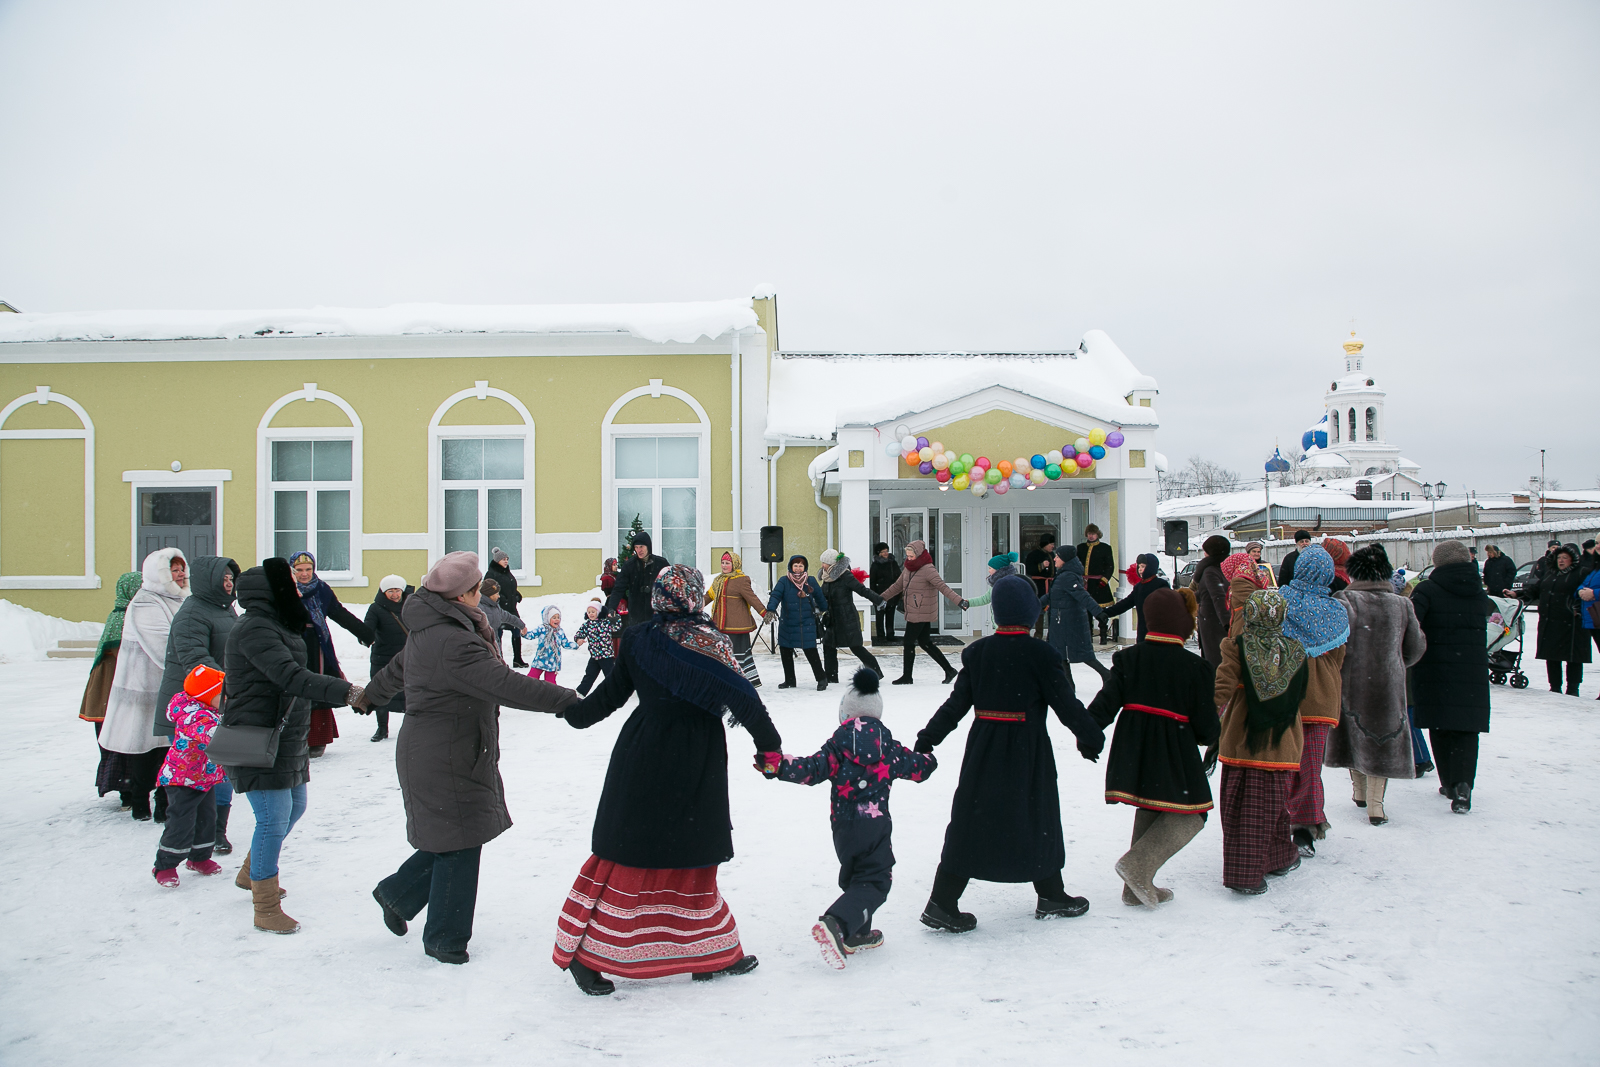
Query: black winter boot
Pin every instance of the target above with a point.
(1068, 907)
(1304, 842)
(742, 965)
(223, 845)
(161, 804)
(939, 919)
(1461, 798)
(591, 982)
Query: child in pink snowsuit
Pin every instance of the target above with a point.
(188, 776)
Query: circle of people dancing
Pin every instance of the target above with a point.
(1332, 667)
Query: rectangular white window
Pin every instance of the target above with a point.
(311, 485)
(657, 486)
(483, 495)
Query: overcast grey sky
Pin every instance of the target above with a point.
(1221, 187)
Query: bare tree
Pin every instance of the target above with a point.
(1200, 477)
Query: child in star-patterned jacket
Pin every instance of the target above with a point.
(189, 776)
(862, 760)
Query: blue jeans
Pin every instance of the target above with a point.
(223, 791)
(276, 810)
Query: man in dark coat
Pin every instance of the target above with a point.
(1498, 572)
(885, 572)
(1005, 819)
(269, 683)
(1450, 684)
(510, 597)
(1039, 566)
(638, 574)
(1099, 575)
(1210, 587)
(1302, 540)
(448, 752)
(1562, 637)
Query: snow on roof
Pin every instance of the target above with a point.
(812, 394)
(1250, 500)
(1320, 459)
(682, 322)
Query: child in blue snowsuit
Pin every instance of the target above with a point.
(862, 760)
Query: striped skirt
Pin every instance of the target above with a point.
(642, 923)
(1305, 786)
(1255, 824)
(745, 657)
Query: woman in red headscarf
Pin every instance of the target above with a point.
(1244, 577)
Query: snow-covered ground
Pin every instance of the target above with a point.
(1437, 938)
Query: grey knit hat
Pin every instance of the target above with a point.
(1451, 552)
(862, 699)
(457, 574)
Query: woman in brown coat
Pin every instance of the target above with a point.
(919, 586)
(1260, 685)
(733, 601)
(448, 752)
(1373, 738)
(1244, 578)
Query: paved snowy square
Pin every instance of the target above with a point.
(1436, 938)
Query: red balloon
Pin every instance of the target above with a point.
(981, 461)
(943, 475)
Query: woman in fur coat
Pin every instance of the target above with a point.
(1373, 738)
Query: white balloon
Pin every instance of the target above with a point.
(1053, 457)
(893, 448)
(908, 443)
(1018, 479)
(979, 489)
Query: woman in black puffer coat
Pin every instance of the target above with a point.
(389, 637)
(1450, 684)
(1211, 593)
(1562, 637)
(268, 683)
(840, 587)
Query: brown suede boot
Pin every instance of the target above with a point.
(242, 879)
(269, 913)
(1375, 790)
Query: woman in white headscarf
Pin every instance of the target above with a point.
(128, 735)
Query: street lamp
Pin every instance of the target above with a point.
(1433, 493)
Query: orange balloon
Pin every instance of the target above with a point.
(1005, 468)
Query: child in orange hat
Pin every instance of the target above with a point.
(188, 777)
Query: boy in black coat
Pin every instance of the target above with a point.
(637, 575)
(884, 573)
(862, 760)
(1165, 695)
(1005, 819)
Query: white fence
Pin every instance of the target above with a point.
(1413, 549)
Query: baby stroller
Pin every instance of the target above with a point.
(1503, 662)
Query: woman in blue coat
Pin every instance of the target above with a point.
(1068, 607)
(799, 598)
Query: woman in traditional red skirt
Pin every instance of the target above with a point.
(646, 903)
(1260, 685)
(323, 605)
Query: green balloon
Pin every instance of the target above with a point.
(957, 467)
(1052, 471)
(992, 477)
(966, 460)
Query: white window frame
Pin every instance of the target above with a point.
(528, 573)
(265, 486)
(610, 431)
(42, 395)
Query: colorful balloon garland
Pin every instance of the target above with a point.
(978, 474)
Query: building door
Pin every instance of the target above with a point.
(905, 526)
(945, 537)
(185, 519)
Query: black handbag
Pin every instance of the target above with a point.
(246, 746)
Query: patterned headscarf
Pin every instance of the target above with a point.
(1275, 668)
(719, 580)
(1340, 554)
(308, 593)
(1240, 565)
(1316, 620)
(127, 585)
(682, 651)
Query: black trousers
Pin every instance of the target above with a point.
(191, 828)
(788, 663)
(593, 671)
(921, 634)
(885, 617)
(446, 883)
(948, 887)
(1552, 670)
(1455, 756)
(866, 871)
(830, 658)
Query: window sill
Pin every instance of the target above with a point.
(50, 581)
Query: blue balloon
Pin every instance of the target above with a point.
(1038, 463)
(1097, 451)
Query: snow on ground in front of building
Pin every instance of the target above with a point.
(1438, 937)
(26, 634)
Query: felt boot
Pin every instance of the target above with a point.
(1138, 866)
(1375, 791)
(1162, 896)
(1358, 788)
(269, 913)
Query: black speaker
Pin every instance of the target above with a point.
(772, 544)
(1177, 533)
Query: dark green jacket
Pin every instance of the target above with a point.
(199, 631)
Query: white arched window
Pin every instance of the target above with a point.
(308, 488)
(1335, 426)
(1372, 424)
(660, 475)
(43, 395)
(1351, 436)
(480, 484)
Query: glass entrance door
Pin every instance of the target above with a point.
(905, 526)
